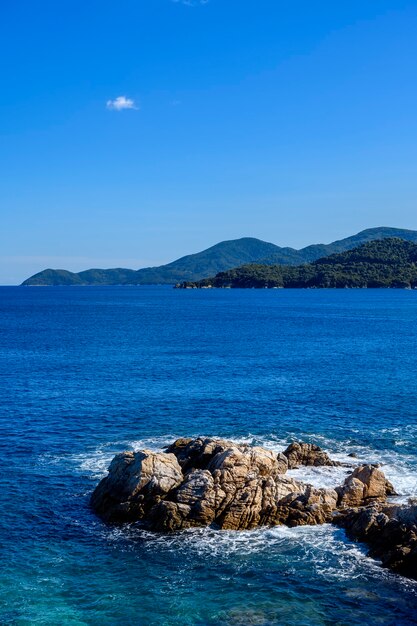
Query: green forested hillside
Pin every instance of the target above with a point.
(387, 263)
(220, 257)
(318, 251)
(223, 255)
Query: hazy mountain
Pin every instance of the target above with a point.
(220, 257)
(88, 277)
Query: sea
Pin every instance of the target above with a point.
(87, 372)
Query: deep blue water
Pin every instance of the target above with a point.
(88, 372)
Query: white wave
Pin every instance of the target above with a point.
(327, 477)
(96, 462)
(324, 548)
(400, 469)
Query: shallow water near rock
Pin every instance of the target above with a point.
(89, 372)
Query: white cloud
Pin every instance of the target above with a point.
(120, 103)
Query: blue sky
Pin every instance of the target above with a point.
(137, 131)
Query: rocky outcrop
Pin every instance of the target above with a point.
(136, 481)
(364, 485)
(307, 454)
(310, 507)
(205, 481)
(214, 482)
(389, 530)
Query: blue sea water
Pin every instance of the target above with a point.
(88, 372)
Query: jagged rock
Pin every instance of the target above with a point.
(250, 486)
(389, 530)
(312, 506)
(192, 504)
(178, 447)
(282, 462)
(365, 484)
(197, 453)
(307, 454)
(240, 488)
(136, 481)
(204, 481)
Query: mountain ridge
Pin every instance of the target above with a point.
(380, 263)
(220, 257)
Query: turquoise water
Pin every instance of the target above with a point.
(88, 372)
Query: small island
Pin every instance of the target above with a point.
(213, 482)
(386, 263)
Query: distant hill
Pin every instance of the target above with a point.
(87, 277)
(389, 262)
(191, 267)
(223, 255)
(220, 257)
(320, 250)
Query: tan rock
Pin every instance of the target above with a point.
(136, 481)
(204, 481)
(365, 484)
(311, 506)
(390, 532)
(282, 462)
(197, 453)
(307, 454)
